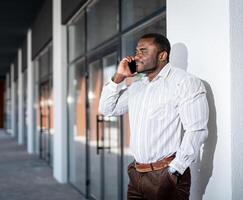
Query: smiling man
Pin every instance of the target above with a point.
(168, 115)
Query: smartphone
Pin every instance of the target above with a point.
(132, 66)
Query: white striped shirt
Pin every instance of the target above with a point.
(167, 115)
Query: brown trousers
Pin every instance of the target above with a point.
(157, 185)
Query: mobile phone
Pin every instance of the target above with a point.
(132, 66)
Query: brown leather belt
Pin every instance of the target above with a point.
(161, 164)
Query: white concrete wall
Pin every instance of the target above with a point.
(20, 100)
(59, 95)
(236, 46)
(200, 38)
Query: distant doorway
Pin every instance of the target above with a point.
(46, 137)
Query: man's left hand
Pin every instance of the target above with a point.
(173, 178)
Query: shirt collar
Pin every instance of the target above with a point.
(162, 74)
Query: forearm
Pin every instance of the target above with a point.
(118, 78)
(189, 149)
(113, 99)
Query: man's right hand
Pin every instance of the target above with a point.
(123, 70)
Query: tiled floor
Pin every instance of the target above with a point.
(26, 177)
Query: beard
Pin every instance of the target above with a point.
(150, 67)
(147, 70)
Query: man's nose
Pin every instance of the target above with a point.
(137, 56)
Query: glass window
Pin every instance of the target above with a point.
(129, 40)
(102, 21)
(50, 59)
(127, 155)
(111, 137)
(135, 10)
(25, 105)
(51, 106)
(77, 124)
(36, 106)
(95, 85)
(16, 107)
(44, 65)
(76, 38)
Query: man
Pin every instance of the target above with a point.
(168, 115)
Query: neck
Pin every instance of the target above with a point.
(155, 71)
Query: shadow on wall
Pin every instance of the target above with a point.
(201, 170)
(178, 56)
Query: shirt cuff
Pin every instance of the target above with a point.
(179, 166)
(114, 86)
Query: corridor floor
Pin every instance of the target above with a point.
(26, 177)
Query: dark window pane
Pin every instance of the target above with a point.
(76, 38)
(51, 58)
(102, 21)
(135, 10)
(44, 65)
(44, 62)
(129, 40)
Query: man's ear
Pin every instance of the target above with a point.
(163, 56)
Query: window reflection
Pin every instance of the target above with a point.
(77, 124)
(25, 105)
(102, 21)
(129, 40)
(76, 39)
(135, 10)
(44, 64)
(43, 104)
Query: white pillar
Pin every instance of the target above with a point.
(30, 95)
(202, 30)
(59, 95)
(20, 100)
(236, 47)
(13, 93)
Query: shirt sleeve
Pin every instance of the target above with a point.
(193, 112)
(114, 99)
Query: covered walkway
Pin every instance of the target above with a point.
(26, 177)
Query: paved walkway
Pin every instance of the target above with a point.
(26, 177)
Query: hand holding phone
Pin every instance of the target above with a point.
(132, 66)
(126, 68)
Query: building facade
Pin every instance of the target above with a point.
(52, 91)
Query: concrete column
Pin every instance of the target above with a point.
(59, 95)
(13, 93)
(236, 47)
(199, 32)
(20, 100)
(30, 95)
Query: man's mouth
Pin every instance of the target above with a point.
(138, 63)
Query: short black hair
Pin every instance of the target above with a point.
(161, 41)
